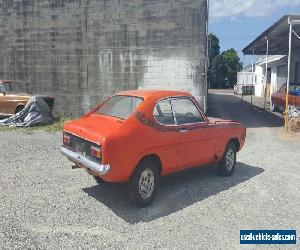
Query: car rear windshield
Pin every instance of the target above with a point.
(119, 106)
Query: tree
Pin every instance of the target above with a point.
(217, 72)
(232, 65)
(213, 52)
(223, 68)
(213, 46)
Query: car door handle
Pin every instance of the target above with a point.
(183, 130)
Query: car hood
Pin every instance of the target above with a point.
(93, 127)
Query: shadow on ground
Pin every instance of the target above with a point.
(230, 107)
(175, 192)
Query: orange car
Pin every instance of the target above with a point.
(140, 135)
(278, 99)
(13, 98)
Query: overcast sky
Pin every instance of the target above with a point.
(238, 22)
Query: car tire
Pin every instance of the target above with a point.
(98, 180)
(143, 183)
(19, 109)
(273, 107)
(227, 165)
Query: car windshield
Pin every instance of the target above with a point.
(13, 87)
(119, 106)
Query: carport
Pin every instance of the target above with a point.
(282, 38)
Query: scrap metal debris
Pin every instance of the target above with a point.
(294, 111)
(294, 122)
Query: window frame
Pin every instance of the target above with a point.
(173, 111)
(5, 91)
(161, 100)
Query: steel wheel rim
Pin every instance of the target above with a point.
(146, 183)
(229, 159)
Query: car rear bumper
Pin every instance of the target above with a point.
(81, 160)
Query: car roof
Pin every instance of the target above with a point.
(157, 94)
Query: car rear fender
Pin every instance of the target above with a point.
(236, 135)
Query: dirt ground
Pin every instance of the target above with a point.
(47, 205)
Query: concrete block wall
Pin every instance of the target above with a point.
(82, 51)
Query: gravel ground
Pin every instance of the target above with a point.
(47, 205)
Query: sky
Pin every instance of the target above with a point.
(239, 22)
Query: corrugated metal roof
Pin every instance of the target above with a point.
(272, 58)
(278, 36)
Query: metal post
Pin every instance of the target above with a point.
(288, 79)
(252, 72)
(266, 73)
(243, 77)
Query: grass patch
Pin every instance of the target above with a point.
(57, 125)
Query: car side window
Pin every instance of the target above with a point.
(163, 113)
(186, 111)
(2, 89)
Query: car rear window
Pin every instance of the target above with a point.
(119, 106)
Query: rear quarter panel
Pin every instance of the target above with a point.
(224, 133)
(132, 143)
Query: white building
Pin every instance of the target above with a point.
(273, 44)
(276, 74)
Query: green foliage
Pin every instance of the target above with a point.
(222, 72)
(213, 46)
(54, 127)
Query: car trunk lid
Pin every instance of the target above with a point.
(93, 127)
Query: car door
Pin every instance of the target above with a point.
(282, 96)
(196, 141)
(276, 98)
(279, 97)
(166, 136)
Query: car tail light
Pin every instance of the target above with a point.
(96, 152)
(66, 140)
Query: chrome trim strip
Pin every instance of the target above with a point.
(84, 161)
(85, 139)
(6, 114)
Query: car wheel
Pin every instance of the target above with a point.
(273, 107)
(98, 179)
(227, 165)
(19, 109)
(143, 183)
